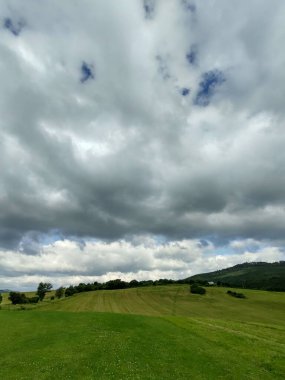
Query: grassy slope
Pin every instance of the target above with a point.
(250, 275)
(190, 336)
(259, 306)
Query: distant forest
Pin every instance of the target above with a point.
(256, 275)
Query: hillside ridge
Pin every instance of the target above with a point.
(252, 275)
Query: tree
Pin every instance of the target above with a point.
(17, 298)
(235, 294)
(43, 288)
(70, 291)
(1, 298)
(20, 298)
(133, 284)
(115, 284)
(196, 289)
(59, 293)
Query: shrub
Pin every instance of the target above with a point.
(34, 299)
(235, 294)
(59, 293)
(70, 291)
(196, 289)
(17, 298)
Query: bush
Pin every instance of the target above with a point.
(196, 289)
(32, 299)
(18, 298)
(70, 291)
(59, 293)
(235, 294)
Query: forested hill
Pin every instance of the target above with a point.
(259, 275)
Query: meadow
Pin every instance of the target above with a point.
(146, 333)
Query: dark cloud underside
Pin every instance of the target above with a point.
(141, 118)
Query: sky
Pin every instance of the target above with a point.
(139, 139)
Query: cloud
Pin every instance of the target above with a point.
(66, 262)
(102, 133)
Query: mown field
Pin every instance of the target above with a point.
(146, 333)
(260, 306)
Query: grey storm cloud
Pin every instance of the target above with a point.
(152, 118)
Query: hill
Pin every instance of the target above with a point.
(181, 335)
(258, 275)
(176, 300)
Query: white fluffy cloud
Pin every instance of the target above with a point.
(128, 118)
(66, 262)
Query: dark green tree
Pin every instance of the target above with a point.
(235, 294)
(70, 291)
(59, 293)
(43, 288)
(196, 289)
(17, 298)
(1, 298)
(115, 284)
(133, 284)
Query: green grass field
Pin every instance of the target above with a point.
(260, 306)
(146, 333)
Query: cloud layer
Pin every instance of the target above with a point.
(67, 262)
(139, 118)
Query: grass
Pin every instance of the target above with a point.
(180, 336)
(259, 306)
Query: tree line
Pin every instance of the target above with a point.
(118, 284)
(45, 287)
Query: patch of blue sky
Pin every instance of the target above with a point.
(185, 91)
(204, 243)
(87, 72)
(249, 246)
(56, 235)
(191, 56)
(223, 251)
(160, 239)
(207, 86)
(149, 8)
(163, 67)
(14, 27)
(51, 237)
(189, 5)
(228, 250)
